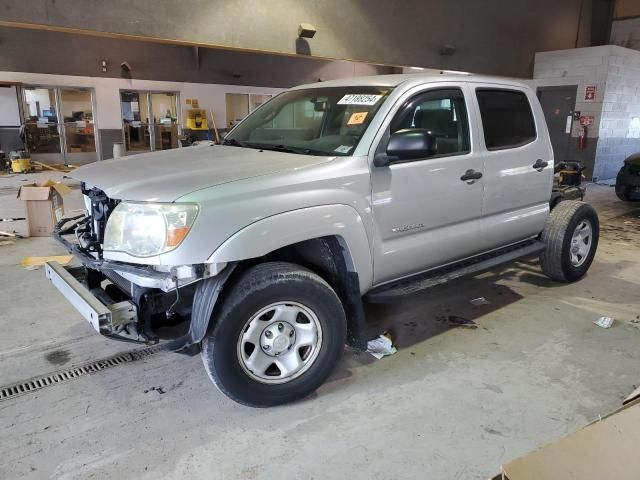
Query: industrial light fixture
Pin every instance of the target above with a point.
(126, 68)
(453, 72)
(306, 30)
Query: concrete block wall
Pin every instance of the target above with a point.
(620, 124)
(615, 71)
(626, 33)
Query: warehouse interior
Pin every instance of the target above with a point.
(489, 373)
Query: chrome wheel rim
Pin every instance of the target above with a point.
(280, 342)
(581, 243)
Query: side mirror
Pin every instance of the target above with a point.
(411, 143)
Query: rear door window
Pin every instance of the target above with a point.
(507, 119)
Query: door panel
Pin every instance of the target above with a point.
(516, 197)
(439, 212)
(558, 104)
(424, 214)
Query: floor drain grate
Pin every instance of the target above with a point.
(62, 376)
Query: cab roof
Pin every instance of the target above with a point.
(413, 79)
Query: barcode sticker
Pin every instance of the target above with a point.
(359, 99)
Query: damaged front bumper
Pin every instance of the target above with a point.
(113, 319)
(137, 303)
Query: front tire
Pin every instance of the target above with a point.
(278, 336)
(571, 237)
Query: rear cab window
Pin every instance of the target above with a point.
(507, 118)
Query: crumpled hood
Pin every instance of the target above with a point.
(170, 174)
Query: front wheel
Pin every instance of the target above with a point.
(278, 335)
(571, 237)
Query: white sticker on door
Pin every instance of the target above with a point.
(359, 99)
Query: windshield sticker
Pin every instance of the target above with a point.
(357, 118)
(343, 149)
(359, 99)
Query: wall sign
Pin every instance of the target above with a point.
(590, 93)
(586, 120)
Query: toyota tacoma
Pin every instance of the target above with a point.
(258, 253)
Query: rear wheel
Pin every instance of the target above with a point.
(622, 192)
(278, 336)
(571, 237)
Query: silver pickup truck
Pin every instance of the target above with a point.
(258, 252)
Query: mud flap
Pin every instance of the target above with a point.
(204, 301)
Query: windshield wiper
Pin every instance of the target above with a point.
(287, 149)
(232, 142)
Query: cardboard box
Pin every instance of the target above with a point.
(605, 449)
(44, 206)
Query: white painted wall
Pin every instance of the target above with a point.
(9, 114)
(107, 92)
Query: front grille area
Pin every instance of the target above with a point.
(99, 207)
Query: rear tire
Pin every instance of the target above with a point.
(571, 237)
(278, 336)
(622, 192)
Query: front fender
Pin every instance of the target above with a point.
(281, 230)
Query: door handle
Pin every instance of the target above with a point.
(471, 176)
(540, 165)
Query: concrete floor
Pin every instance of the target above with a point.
(454, 403)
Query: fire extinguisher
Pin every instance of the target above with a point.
(582, 138)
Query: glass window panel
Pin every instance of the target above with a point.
(80, 137)
(255, 100)
(41, 120)
(443, 114)
(164, 107)
(40, 105)
(237, 107)
(77, 111)
(135, 119)
(506, 118)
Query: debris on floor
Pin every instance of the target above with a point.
(12, 219)
(456, 321)
(160, 390)
(39, 261)
(476, 302)
(604, 322)
(13, 234)
(6, 242)
(381, 346)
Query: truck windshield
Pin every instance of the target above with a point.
(314, 121)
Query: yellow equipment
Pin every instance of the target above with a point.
(197, 119)
(21, 165)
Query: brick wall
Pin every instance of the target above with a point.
(615, 71)
(620, 124)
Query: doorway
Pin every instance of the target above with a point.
(59, 124)
(558, 104)
(239, 105)
(149, 120)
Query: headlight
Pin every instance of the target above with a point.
(148, 229)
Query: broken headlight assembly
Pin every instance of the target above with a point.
(148, 229)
